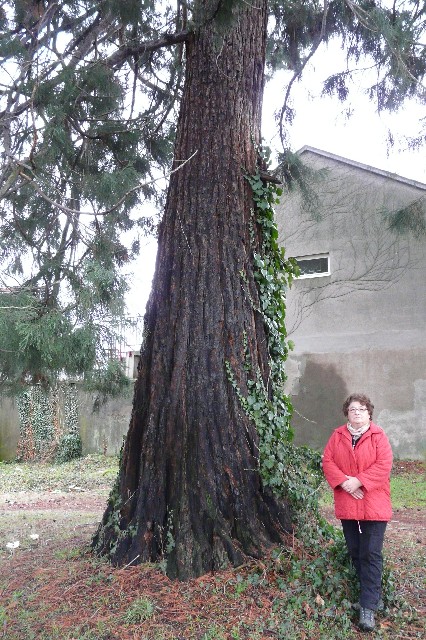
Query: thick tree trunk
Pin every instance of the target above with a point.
(189, 487)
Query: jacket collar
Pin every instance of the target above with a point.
(344, 431)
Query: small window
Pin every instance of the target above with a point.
(314, 266)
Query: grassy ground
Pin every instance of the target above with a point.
(51, 587)
(94, 472)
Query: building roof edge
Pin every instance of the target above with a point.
(362, 166)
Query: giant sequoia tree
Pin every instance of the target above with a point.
(88, 116)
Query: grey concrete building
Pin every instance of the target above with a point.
(357, 315)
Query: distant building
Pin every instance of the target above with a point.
(126, 345)
(357, 314)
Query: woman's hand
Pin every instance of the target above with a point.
(352, 485)
(358, 494)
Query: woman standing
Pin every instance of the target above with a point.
(357, 463)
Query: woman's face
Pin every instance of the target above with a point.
(358, 414)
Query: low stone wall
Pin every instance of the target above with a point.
(9, 429)
(317, 392)
(101, 431)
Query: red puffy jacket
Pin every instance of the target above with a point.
(370, 462)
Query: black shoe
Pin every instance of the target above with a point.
(366, 619)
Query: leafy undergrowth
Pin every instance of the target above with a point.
(51, 587)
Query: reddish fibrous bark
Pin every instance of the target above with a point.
(189, 485)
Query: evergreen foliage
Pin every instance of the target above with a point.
(410, 219)
(79, 153)
(41, 344)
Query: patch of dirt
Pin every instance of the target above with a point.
(45, 500)
(401, 467)
(408, 523)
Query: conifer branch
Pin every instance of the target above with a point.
(70, 211)
(167, 40)
(17, 307)
(368, 21)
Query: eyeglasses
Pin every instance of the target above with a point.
(360, 409)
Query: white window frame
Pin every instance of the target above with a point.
(319, 274)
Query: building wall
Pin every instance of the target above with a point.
(363, 327)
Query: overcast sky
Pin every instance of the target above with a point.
(324, 123)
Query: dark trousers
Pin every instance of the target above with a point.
(364, 540)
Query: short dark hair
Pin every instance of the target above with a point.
(362, 399)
